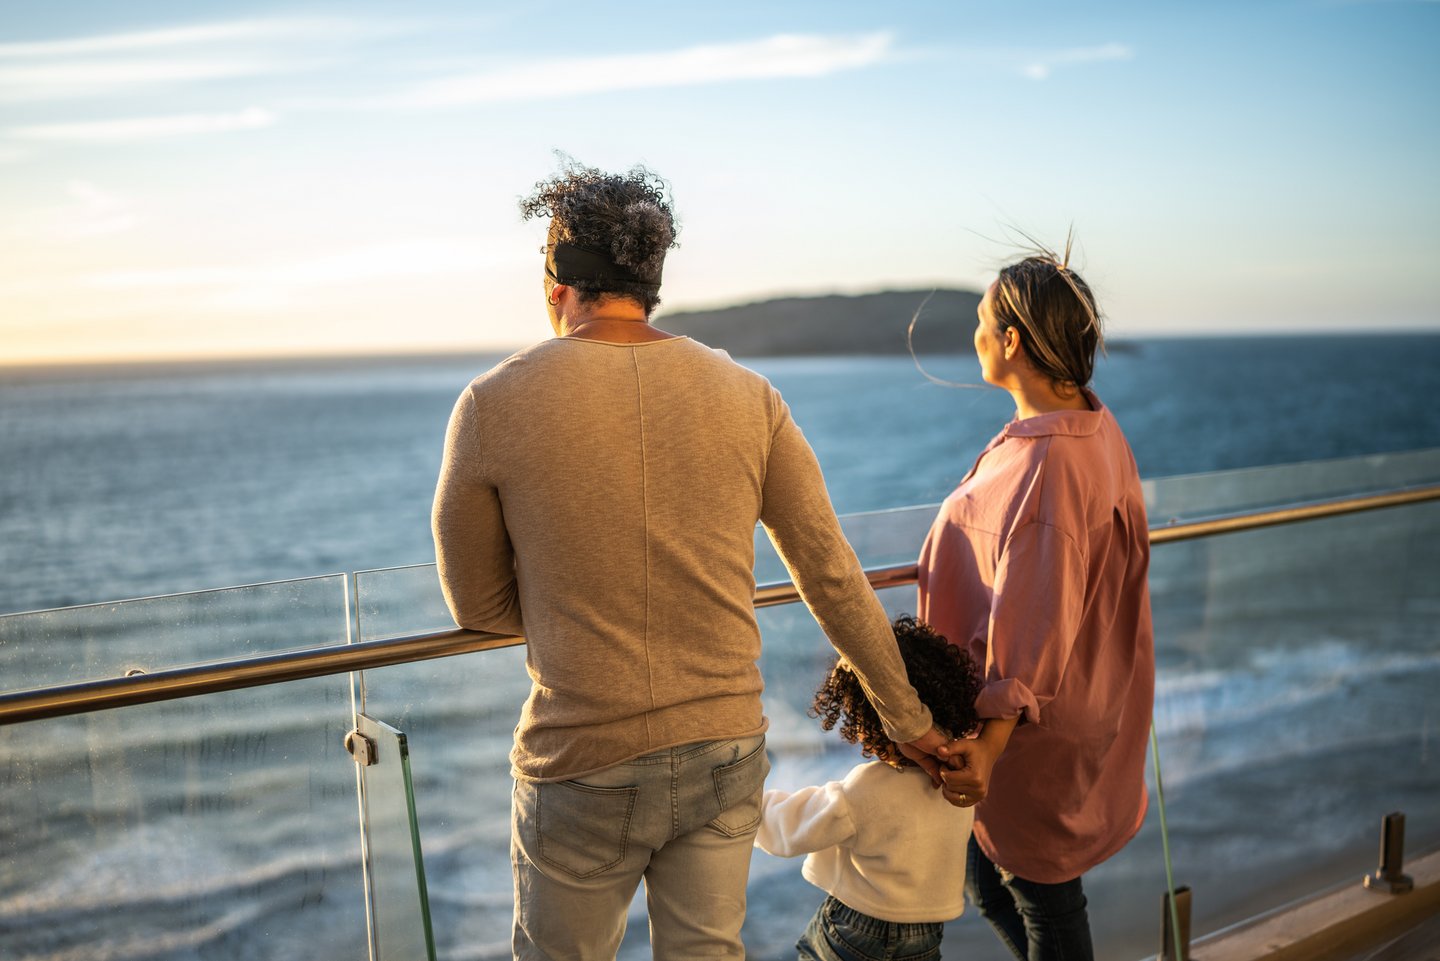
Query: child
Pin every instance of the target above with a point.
(884, 843)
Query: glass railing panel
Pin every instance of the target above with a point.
(72, 644)
(221, 826)
(880, 538)
(1211, 601)
(458, 715)
(1296, 706)
(399, 600)
(1191, 496)
(894, 536)
(392, 847)
(1275, 648)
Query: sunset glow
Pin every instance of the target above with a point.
(243, 178)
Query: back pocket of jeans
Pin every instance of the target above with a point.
(581, 829)
(738, 788)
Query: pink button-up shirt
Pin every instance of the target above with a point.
(1036, 564)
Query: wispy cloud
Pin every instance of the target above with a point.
(120, 62)
(84, 78)
(145, 128)
(87, 211)
(90, 211)
(1041, 65)
(95, 212)
(784, 55)
(139, 40)
(191, 35)
(268, 284)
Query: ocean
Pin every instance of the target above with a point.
(124, 483)
(1287, 659)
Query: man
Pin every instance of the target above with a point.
(599, 495)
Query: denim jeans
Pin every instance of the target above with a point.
(1038, 922)
(838, 932)
(683, 820)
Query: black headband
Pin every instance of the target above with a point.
(568, 264)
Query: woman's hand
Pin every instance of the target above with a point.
(966, 776)
(968, 762)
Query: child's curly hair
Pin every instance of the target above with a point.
(945, 677)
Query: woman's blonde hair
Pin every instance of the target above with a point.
(1053, 312)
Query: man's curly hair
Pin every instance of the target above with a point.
(945, 677)
(627, 216)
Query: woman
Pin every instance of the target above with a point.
(1037, 562)
(599, 495)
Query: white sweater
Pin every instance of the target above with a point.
(883, 841)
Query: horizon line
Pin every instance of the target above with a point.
(43, 366)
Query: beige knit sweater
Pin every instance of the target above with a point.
(601, 500)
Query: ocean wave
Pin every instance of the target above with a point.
(1272, 682)
(179, 868)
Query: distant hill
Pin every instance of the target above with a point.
(835, 324)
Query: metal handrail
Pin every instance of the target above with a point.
(216, 676)
(1254, 520)
(213, 677)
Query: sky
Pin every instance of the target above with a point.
(260, 178)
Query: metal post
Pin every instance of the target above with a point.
(1175, 926)
(1390, 876)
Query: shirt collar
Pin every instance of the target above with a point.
(1072, 423)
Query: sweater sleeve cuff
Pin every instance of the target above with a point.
(909, 729)
(1006, 698)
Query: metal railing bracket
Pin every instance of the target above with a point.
(1172, 916)
(1390, 877)
(361, 748)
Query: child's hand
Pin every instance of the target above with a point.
(923, 750)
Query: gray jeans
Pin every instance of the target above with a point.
(682, 819)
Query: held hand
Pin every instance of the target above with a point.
(922, 751)
(970, 760)
(967, 771)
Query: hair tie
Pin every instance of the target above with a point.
(569, 264)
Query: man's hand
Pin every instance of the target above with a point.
(923, 751)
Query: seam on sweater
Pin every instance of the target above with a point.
(645, 510)
(478, 445)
